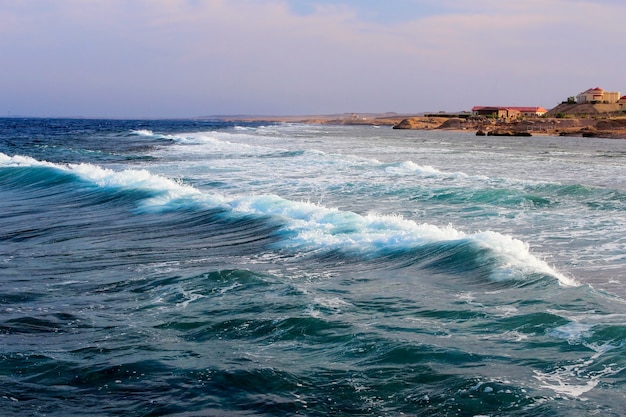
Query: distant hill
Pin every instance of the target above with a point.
(583, 108)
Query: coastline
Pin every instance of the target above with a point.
(372, 119)
(600, 126)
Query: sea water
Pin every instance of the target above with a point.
(192, 268)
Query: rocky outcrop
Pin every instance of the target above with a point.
(453, 123)
(611, 124)
(504, 132)
(406, 124)
(419, 123)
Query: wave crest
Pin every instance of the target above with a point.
(312, 227)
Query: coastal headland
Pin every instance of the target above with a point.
(586, 120)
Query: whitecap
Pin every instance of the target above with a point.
(318, 227)
(312, 226)
(167, 192)
(332, 303)
(142, 132)
(572, 331)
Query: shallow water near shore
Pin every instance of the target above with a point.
(191, 268)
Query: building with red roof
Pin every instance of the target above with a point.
(598, 95)
(508, 112)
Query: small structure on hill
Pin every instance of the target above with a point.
(598, 95)
(508, 112)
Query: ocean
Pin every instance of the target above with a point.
(205, 268)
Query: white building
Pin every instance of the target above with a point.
(598, 95)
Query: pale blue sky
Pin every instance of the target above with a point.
(377, 10)
(168, 58)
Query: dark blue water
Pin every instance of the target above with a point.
(205, 268)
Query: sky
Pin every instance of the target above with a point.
(191, 58)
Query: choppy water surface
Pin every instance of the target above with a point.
(203, 268)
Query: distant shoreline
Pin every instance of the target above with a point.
(600, 126)
(384, 119)
(611, 126)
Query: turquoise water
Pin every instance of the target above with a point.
(205, 268)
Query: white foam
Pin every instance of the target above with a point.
(200, 139)
(580, 377)
(142, 132)
(150, 134)
(190, 297)
(23, 161)
(517, 254)
(317, 227)
(224, 141)
(559, 382)
(167, 192)
(409, 167)
(574, 380)
(332, 303)
(313, 226)
(572, 332)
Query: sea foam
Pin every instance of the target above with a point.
(312, 227)
(166, 192)
(142, 132)
(315, 226)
